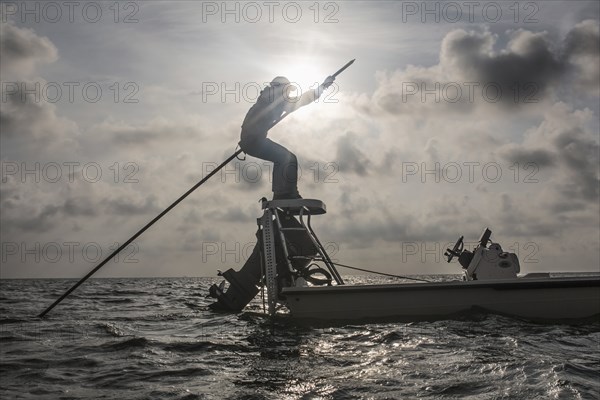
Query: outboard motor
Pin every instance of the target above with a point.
(243, 284)
(485, 262)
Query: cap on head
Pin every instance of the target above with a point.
(280, 81)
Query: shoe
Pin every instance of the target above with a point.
(286, 196)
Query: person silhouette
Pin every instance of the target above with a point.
(272, 103)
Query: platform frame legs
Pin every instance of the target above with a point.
(271, 216)
(270, 262)
(320, 248)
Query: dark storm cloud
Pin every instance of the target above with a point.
(528, 63)
(531, 62)
(531, 67)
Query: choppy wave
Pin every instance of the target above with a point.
(155, 339)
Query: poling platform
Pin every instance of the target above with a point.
(307, 206)
(284, 256)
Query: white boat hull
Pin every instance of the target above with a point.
(538, 299)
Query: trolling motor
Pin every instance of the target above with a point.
(484, 262)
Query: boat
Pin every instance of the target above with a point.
(301, 281)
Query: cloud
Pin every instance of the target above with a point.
(39, 222)
(21, 49)
(40, 207)
(566, 137)
(515, 153)
(230, 214)
(128, 206)
(473, 72)
(160, 132)
(528, 58)
(582, 49)
(31, 127)
(80, 206)
(349, 157)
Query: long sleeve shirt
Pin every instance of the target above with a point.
(268, 108)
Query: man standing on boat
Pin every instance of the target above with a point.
(271, 104)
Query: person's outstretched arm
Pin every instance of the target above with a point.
(309, 96)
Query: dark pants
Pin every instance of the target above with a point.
(285, 164)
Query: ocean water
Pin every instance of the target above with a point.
(155, 339)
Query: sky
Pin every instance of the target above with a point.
(456, 116)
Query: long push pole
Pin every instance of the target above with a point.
(148, 225)
(159, 216)
(339, 71)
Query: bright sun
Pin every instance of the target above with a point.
(303, 74)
